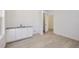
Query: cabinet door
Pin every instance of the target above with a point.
(23, 33)
(18, 33)
(10, 35)
(29, 32)
(26, 32)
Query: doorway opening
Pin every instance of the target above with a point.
(47, 23)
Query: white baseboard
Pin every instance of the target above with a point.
(71, 37)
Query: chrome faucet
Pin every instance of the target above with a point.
(21, 25)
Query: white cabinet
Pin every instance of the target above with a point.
(10, 35)
(21, 33)
(18, 34)
(30, 31)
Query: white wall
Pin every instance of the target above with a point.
(1, 13)
(66, 23)
(2, 27)
(10, 18)
(25, 17)
(51, 12)
(2, 41)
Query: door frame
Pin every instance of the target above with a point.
(44, 24)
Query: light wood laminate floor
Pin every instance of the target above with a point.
(48, 40)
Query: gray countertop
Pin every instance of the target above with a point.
(19, 27)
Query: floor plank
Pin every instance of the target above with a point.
(49, 40)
